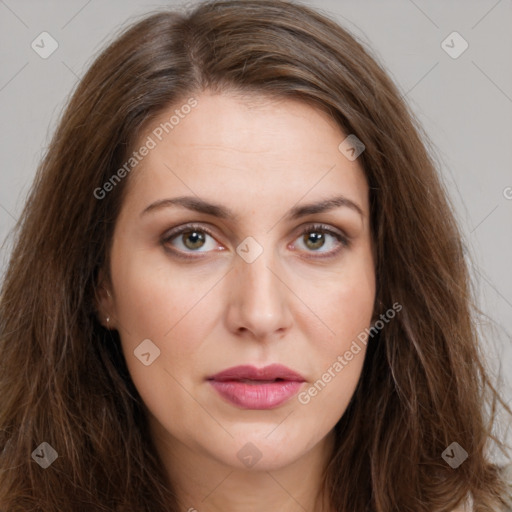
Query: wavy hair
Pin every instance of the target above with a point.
(63, 376)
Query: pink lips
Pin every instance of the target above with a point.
(249, 387)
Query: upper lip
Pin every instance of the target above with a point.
(248, 372)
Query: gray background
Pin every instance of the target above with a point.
(465, 105)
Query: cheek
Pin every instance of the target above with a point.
(339, 358)
(175, 310)
(343, 301)
(345, 305)
(352, 308)
(153, 301)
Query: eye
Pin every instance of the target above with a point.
(319, 240)
(190, 238)
(322, 239)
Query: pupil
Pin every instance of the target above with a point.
(317, 240)
(196, 237)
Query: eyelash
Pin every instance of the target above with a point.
(343, 241)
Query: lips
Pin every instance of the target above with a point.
(248, 387)
(268, 373)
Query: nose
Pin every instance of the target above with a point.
(259, 299)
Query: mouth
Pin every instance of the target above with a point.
(248, 387)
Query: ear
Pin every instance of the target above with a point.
(104, 301)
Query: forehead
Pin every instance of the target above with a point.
(244, 148)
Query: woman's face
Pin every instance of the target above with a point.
(253, 282)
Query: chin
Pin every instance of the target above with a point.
(259, 453)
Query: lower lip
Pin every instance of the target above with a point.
(256, 396)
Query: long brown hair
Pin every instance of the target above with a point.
(63, 377)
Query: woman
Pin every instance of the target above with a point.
(238, 285)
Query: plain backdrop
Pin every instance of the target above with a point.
(464, 104)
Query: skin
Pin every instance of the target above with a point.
(259, 158)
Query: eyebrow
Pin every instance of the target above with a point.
(199, 205)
